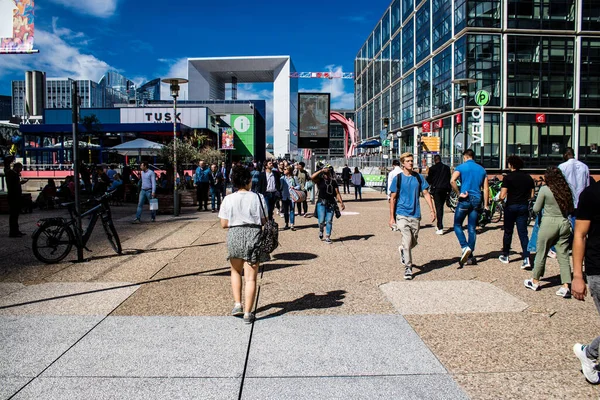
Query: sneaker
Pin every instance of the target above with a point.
(466, 252)
(237, 311)
(526, 263)
(439, 232)
(153, 220)
(551, 254)
(249, 318)
(471, 261)
(530, 285)
(285, 228)
(320, 235)
(136, 221)
(564, 292)
(402, 257)
(408, 273)
(328, 240)
(504, 259)
(588, 367)
(293, 228)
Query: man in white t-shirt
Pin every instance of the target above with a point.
(393, 173)
(576, 173)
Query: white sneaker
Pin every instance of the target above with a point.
(504, 259)
(564, 292)
(439, 232)
(530, 285)
(466, 252)
(588, 367)
(526, 264)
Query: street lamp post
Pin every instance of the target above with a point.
(174, 86)
(463, 85)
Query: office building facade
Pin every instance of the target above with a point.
(539, 61)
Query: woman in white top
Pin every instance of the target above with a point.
(243, 213)
(288, 181)
(357, 182)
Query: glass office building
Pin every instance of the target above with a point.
(538, 59)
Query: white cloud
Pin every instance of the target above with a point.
(96, 8)
(58, 57)
(178, 68)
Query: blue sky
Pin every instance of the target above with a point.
(150, 39)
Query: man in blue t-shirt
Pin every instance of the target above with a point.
(405, 210)
(473, 179)
(202, 181)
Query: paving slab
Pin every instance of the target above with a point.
(9, 386)
(8, 288)
(31, 343)
(131, 388)
(101, 302)
(320, 346)
(444, 297)
(200, 347)
(431, 387)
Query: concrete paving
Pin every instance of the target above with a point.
(333, 321)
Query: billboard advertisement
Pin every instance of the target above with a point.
(313, 118)
(16, 26)
(227, 138)
(243, 126)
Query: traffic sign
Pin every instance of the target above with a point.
(482, 98)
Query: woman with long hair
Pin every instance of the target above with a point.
(326, 203)
(357, 182)
(288, 182)
(243, 212)
(556, 200)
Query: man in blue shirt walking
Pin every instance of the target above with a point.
(202, 181)
(473, 180)
(405, 210)
(147, 191)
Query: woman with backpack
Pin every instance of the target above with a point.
(556, 200)
(357, 181)
(288, 182)
(244, 213)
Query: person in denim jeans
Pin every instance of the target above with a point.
(473, 179)
(518, 189)
(329, 192)
(147, 192)
(215, 181)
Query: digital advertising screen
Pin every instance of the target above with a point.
(313, 120)
(227, 135)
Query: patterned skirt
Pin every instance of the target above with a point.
(243, 242)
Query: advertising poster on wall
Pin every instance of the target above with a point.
(313, 117)
(227, 135)
(16, 26)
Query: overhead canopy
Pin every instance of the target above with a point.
(370, 144)
(137, 147)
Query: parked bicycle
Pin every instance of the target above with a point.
(55, 237)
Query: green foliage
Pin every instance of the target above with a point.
(186, 153)
(211, 155)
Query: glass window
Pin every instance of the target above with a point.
(377, 76)
(370, 120)
(423, 23)
(540, 71)
(370, 82)
(377, 39)
(408, 42)
(385, 28)
(377, 116)
(396, 105)
(395, 16)
(590, 20)
(484, 13)
(358, 92)
(589, 140)
(408, 89)
(385, 104)
(441, 22)
(385, 67)
(365, 87)
(396, 66)
(441, 72)
(539, 145)
(407, 8)
(590, 73)
(541, 14)
(460, 15)
(370, 48)
(491, 141)
(423, 98)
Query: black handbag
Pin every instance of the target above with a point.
(270, 233)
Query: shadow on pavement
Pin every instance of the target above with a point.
(295, 256)
(365, 200)
(300, 227)
(354, 237)
(135, 252)
(306, 302)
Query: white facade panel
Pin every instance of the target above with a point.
(192, 117)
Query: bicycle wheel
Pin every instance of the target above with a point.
(452, 201)
(112, 235)
(497, 212)
(52, 242)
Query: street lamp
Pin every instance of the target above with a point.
(463, 85)
(174, 87)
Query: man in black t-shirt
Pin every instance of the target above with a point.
(586, 242)
(346, 173)
(517, 188)
(438, 178)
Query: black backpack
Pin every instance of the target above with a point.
(399, 183)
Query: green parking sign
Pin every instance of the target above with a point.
(482, 98)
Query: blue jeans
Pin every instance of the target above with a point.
(515, 213)
(144, 195)
(215, 193)
(467, 208)
(270, 198)
(288, 211)
(325, 213)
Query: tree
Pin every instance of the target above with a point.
(186, 153)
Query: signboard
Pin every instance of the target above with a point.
(191, 117)
(540, 118)
(313, 120)
(431, 144)
(477, 126)
(482, 98)
(243, 127)
(459, 118)
(437, 125)
(16, 26)
(227, 138)
(426, 126)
